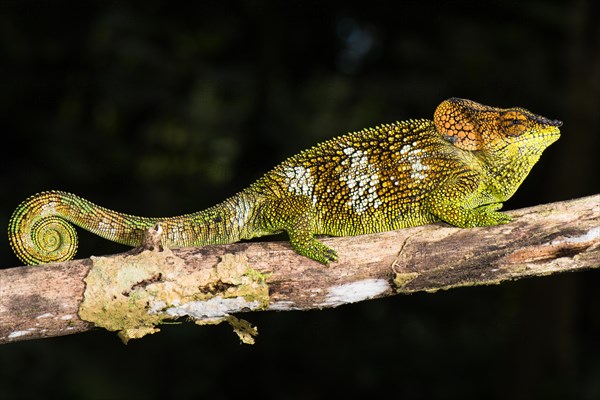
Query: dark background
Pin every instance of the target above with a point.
(161, 109)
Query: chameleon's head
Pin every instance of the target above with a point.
(473, 126)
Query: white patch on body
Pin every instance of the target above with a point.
(241, 212)
(355, 291)
(107, 227)
(362, 178)
(405, 149)
(103, 225)
(348, 150)
(300, 181)
(418, 170)
(414, 157)
(177, 234)
(48, 209)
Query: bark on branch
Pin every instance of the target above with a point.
(134, 292)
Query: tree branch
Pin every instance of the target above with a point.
(134, 292)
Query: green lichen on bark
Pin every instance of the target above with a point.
(133, 294)
(402, 279)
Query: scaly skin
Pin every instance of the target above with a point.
(458, 168)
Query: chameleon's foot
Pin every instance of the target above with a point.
(489, 216)
(481, 216)
(314, 249)
(470, 218)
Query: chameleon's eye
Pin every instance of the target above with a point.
(514, 123)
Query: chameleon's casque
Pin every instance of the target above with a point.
(458, 168)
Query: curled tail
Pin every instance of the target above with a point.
(41, 228)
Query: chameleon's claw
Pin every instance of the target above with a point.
(316, 250)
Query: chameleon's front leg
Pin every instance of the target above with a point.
(453, 202)
(296, 216)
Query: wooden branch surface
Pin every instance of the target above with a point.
(45, 301)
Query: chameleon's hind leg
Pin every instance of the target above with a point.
(296, 216)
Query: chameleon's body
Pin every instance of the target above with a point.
(458, 168)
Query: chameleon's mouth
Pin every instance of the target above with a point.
(550, 134)
(544, 138)
(553, 131)
(538, 141)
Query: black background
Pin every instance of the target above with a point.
(162, 109)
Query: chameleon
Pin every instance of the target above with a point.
(457, 168)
